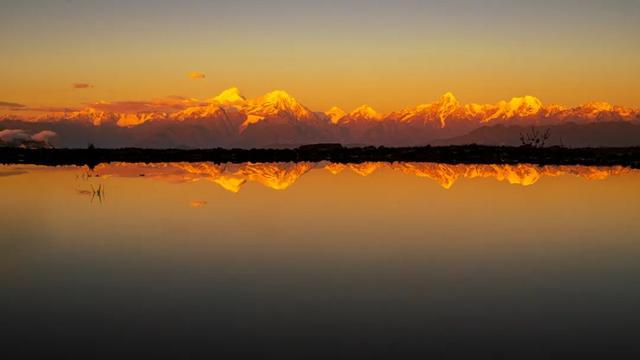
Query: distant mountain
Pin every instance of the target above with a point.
(278, 119)
(599, 134)
(335, 114)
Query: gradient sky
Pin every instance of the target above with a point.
(389, 54)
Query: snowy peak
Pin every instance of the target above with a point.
(526, 103)
(199, 112)
(280, 100)
(214, 107)
(599, 110)
(448, 100)
(447, 105)
(521, 106)
(439, 111)
(598, 106)
(230, 96)
(517, 107)
(93, 116)
(281, 108)
(335, 114)
(365, 112)
(278, 103)
(279, 97)
(98, 117)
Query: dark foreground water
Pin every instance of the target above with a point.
(298, 261)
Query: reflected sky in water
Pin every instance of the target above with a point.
(344, 259)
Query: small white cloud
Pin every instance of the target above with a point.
(19, 138)
(44, 136)
(14, 135)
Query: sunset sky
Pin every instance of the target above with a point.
(389, 54)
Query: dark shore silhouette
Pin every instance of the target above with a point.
(465, 154)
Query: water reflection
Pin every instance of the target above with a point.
(280, 176)
(365, 259)
(11, 172)
(94, 193)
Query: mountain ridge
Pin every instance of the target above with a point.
(277, 117)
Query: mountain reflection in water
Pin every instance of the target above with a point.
(280, 176)
(371, 260)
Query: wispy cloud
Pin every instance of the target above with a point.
(43, 109)
(51, 109)
(196, 75)
(11, 105)
(81, 86)
(167, 104)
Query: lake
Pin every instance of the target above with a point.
(319, 260)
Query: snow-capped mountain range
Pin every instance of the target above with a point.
(278, 119)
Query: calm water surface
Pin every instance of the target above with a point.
(319, 261)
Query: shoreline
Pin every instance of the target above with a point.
(460, 154)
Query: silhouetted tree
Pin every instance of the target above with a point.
(535, 138)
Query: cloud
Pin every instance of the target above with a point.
(168, 104)
(11, 105)
(196, 75)
(47, 109)
(44, 136)
(197, 203)
(81, 86)
(13, 135)
(19, 137)
(123, 106)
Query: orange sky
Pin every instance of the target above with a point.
(388, 55)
